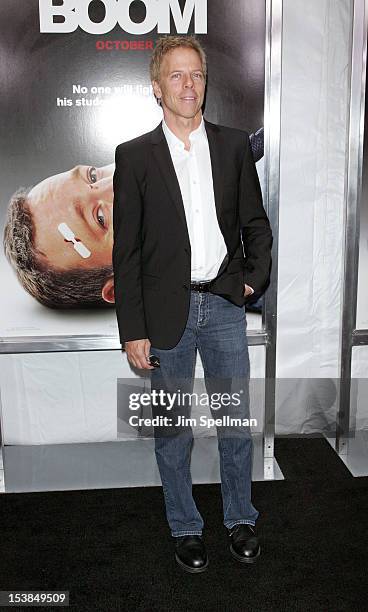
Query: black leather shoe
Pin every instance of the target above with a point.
(191, 554)
(244, 545)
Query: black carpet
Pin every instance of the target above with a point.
(112, 551)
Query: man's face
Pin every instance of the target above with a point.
(182, 84)
(82, 198)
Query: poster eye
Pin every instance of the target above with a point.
(100, 216)
(92, 174)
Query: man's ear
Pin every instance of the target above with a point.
(108, 293)
(157, 90)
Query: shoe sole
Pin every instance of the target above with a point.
(191, 570)
(245, 559)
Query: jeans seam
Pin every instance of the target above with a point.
(223, 453)
(165, 489)
(229, 494)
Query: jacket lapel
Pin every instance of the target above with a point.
(216, 152)
(162, 155)
(214, 141)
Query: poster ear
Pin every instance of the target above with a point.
(108, 293)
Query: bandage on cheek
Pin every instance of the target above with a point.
(82, 250)
(69, 235)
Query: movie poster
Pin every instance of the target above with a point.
(74, 84)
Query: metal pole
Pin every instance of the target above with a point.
(272, 189)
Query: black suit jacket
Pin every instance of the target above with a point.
(152, 253)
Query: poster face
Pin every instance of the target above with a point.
(74, 79)
(362, 302)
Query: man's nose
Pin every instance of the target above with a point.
(189, 81)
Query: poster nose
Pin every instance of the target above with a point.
(103, 189)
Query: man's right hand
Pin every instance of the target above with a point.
(138, 352)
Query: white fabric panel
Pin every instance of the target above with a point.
(62, 397)
(314, 121)
(316, 52)
(71, 397)
(359, 386)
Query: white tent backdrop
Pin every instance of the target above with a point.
(316, 54)
(75, 401)
(316, 65)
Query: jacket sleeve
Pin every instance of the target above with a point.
(255, 227)
(127, 247)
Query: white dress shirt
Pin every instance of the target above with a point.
(194, 172)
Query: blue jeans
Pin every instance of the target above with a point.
(217, 328)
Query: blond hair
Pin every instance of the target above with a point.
(169, 43)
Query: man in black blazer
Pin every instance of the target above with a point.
(191, 243)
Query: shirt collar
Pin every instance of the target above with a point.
(175, 142)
